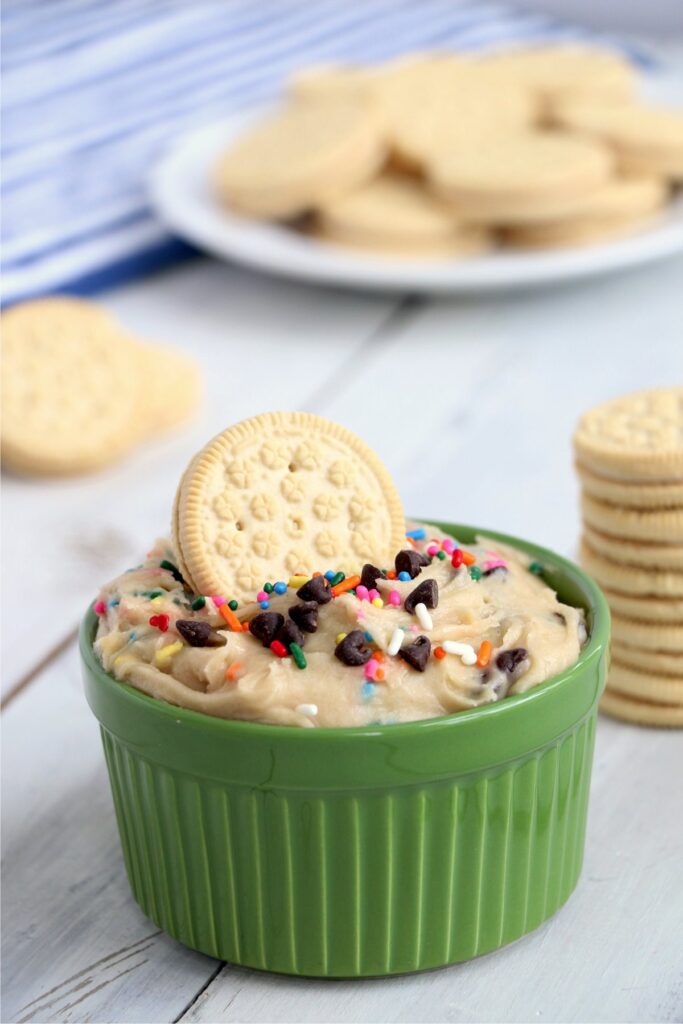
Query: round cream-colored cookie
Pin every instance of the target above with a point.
(506, 176)
(330, 81)
(646, 683)
(655, 636)
(639, 711)
(71, 390)
(634, 437)
(433, 106)
(470, 241)
(666, 663)
(643, 136)
(395, 214)
(663, 525)
(630, 579)
(621, 202)
(646, 609)
(562, 234)
(284, 493)
(631, 552)
(649, 685)
(300, 156)
(562, 71)
(175, 525)
(642, 166)
(631, 495)
(171, 387)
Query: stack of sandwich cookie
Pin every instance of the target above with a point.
(629, 457)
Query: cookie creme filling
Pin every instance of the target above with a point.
(446, 628)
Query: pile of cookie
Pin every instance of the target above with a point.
(445, 155)
(79, 392)
(629, 457)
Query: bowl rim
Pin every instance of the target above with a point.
(595, 606)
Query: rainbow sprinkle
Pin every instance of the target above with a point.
(298, 656)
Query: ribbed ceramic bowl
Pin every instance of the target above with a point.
(364, 851)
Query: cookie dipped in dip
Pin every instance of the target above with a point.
(443, 629)
(355, 619)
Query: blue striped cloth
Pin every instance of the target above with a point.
(93, 91)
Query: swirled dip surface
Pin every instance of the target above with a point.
(475, 633)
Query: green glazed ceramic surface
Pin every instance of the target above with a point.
(361, 851)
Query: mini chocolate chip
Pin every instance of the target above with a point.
(289, 633)
(560, 618)
(426, 593)
(200, 634)
(412, 562)
(369, 576)
(317, 589)
(265, 626)
(417, 653)
(508, 661)
(173, 569)
(305, 615)
(497, 568)
(352, 650)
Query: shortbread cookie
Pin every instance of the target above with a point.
(640, 712)
(564, 71)
(630, 552)
(620, 202)
(631, 495)
(646, 609)
(300, 156)
(630, 579)
(666, 663)
(71, 392)
(563, 234)
(435, 106)
(171, 384)
(655, 636)
(331, 81)
(506, 176)
(661, 525)
(642, 166)
(175, 522)
(395, 214)
(279, 494)
(634, 437)
(470, 241)
(652, 686)
(650, 136)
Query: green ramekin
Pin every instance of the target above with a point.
(363, 851)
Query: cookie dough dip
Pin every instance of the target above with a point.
(421, 627)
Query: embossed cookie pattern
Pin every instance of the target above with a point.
(280, 494)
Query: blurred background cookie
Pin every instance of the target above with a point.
(304, 153)
(548, 146)
(393, 214)
(78, 392)
(556, 73)
(645, 138)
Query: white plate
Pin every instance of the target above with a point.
(182, 195)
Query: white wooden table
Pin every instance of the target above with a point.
(471, 404)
